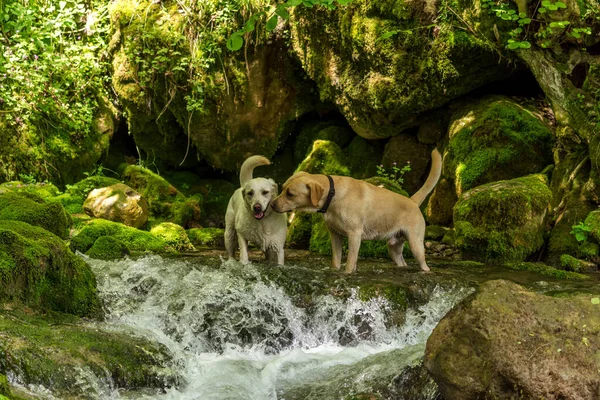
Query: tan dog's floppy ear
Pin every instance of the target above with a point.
(316, 192)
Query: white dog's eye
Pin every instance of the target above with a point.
(250, 193)
(265, 192)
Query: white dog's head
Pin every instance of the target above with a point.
(257, 194)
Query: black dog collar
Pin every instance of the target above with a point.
(329, 196)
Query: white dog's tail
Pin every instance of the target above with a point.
(432, 179)
(248, 167)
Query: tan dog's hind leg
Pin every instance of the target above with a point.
(354, 240)
(337, 241)
(395, 248)
(418, 249)
(243, 249)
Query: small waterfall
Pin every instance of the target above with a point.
(235, 335)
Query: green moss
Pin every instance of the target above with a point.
(588, 250)
(216, 194)
(496, 139)
(174, 235)
(449, 238)
(326, 157)
(435, 232)
(320, 130)
(135, 239)
(547, 270)
(207, 237)
(299, 231)
(165, 202)
(4, 388)
(362, 158)
(571, 263)
(74, 196)
(52, 350)
(502, 221)
(108, 248)
(39, 270)
(42, 189)
(50, 216)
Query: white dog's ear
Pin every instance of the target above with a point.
(274, 187)
(316, 192)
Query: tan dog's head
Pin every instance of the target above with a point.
(257, 194)
(300, 192)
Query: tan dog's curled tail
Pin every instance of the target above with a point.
(432, 179)
(248, 167)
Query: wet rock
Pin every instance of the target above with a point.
(118, 203)
(506, 342)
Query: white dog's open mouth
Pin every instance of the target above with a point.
(259, 215)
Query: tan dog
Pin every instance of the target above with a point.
(361, 211)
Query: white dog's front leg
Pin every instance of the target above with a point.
(354, 240)
(243, 249)
(280, 256)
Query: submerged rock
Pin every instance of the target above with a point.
(118, 203)
(503, 221)
(507, 342)
(76, 361)
(39, 270)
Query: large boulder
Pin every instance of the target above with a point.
(325, 157)
(366, 57)
(30, 208)
(503, 221)
(405, 149)
(38, 270)
(74, 195)
(186, 98)
(118, 203)
(174, 235)
(490, 139)
(508, 342)
(165, 202)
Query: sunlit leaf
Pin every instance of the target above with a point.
(272, 23)
(235, 42)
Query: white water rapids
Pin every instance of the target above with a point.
(235, 335)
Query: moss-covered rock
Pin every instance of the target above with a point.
(185, 100)
(503, 221)
(108, 248)
(216, 194)
(4, 388)
(326, 157)
(299, 231)
(174, 235)
(547, 270)
(362, 157)
(435, 232)
(118, 203)
(370, 74)
(30, 208)
(70, 359)
(388, 184)
(135, 239)
(488, 347)
(441, 202)
(39, 270)
(332, 130)
(405, 149)
(207, 237)
(165, 202)
(495, 139)
(74, 196)
(571, 263)
(44, 190)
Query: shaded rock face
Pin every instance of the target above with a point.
(373, 80)
(488, 347)
(503, 221)
(405, 149)
(118, 203)
(224, 110)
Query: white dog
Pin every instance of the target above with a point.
(249, 217)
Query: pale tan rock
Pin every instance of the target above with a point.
(118, 203)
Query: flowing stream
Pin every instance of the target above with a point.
(235, 335)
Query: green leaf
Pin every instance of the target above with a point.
(576, 35)
(294, 3)
(282, 12)
(272, 23)
(596, 300)
(308, 4)
(541, 10)
(235, 42)
(344, 2)
(250, 25)
(513, 46)
(560, 4)
(524, 21)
